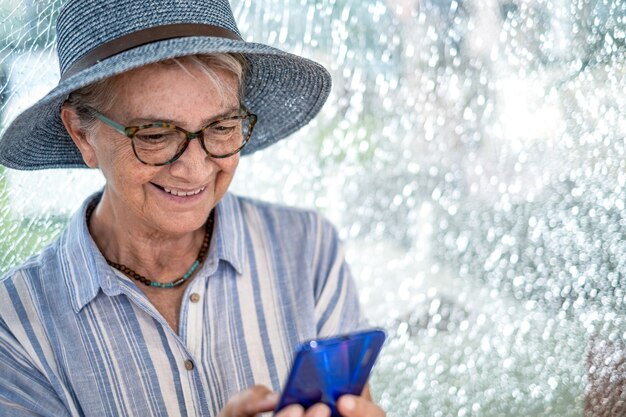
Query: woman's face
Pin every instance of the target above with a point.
(175, 198)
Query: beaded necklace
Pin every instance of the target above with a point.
(208, 232)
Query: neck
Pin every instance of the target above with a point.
(157, 256)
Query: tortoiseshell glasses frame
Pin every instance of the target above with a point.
(162, 143)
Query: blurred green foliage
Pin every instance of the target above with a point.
(30, 235)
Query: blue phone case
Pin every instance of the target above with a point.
(325, 369)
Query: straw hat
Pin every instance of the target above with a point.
(97, 39)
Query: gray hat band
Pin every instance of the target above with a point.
(142, 37)
(84, 25)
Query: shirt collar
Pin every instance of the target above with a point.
(86, 272)
(228, 233)
(84, 268)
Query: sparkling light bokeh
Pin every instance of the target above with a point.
(472, 157)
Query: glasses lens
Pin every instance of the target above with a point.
(226, 136)
(157, 145)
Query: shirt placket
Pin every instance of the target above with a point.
(185, 361)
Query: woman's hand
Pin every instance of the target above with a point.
(259, 399)
(354, 406)
(348, 406)
(295, 410)
(250, 402)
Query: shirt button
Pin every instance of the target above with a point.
(194, 298)
(189, 365)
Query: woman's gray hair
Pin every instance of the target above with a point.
(101, 95)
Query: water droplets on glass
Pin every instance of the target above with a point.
(472, 156)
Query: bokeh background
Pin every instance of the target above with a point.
(472, 157)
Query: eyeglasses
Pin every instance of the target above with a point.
(162, 143)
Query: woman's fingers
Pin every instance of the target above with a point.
(353, 406)
(318, 410)
(250, 402)
(295, 410)
(259, 399)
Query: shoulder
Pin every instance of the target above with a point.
(45, 279)
(52, 260)
(284, 219)
(31, 292)
(34, 275)
(32, 267)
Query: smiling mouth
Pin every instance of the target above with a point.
(180, 193)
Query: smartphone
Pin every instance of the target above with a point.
(325, 369)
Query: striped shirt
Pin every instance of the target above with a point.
(77, 339)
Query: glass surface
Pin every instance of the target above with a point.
(472, 156)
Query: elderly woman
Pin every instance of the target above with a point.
(166, 295)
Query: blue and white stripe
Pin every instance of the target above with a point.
(77, 339)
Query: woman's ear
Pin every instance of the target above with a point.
(77, 132)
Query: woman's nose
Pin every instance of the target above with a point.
(193, 161)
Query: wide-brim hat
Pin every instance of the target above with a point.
(97, 39)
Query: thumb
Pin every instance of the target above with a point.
(250, 402)
(354, 406)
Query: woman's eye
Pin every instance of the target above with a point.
(150, 137)
(155, 135)
(223, 128)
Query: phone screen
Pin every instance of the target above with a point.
(325, 369)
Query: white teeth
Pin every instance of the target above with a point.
(182, 193)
